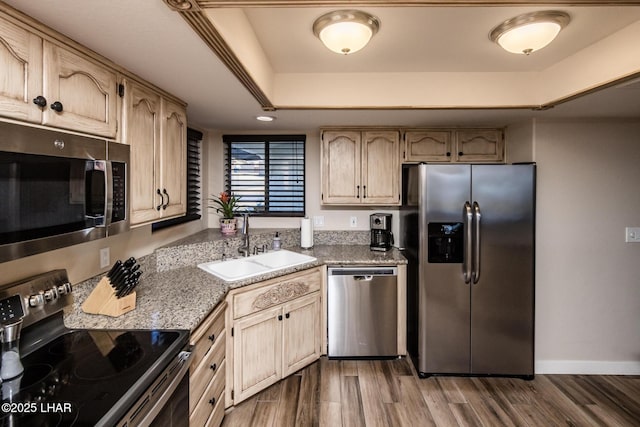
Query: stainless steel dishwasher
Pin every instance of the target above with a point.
(362, 304)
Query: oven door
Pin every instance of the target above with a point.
(166, 401)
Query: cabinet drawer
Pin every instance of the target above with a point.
(212, 401)
(275, 292)
(201, 375)
(207, 334)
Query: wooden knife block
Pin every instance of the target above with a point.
(103, 300)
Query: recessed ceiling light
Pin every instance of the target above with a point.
(265, 118)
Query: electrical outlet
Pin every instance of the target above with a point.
(318, 221)
(353, 222)
(632, 234)
(104, 258)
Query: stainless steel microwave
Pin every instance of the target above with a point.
(59, 189)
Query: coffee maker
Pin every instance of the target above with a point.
(381, 235)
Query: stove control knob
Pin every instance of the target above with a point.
(51, 294)
(36, 300)
(64, 289)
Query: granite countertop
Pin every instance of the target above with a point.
(182, 297)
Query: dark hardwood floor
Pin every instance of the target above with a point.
(388, 393)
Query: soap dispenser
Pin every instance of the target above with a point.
(276, 242)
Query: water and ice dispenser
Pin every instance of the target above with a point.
(446, 242)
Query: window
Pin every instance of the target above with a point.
(194, 141)
(266, 172)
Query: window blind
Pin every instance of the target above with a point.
(267, 173)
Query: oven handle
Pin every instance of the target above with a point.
(158, 405)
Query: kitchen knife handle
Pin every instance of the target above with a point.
(477, 216)
(467, 216)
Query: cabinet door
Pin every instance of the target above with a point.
(479, 145)
(301, 333)
(381, 168)
(173, 154)
(257, 352)
(427, 146)
(86, 91)
(341, 167)
(21, 63)
(141, 131)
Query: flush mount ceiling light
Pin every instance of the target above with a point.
(265, 118)
(346, 31)
(529, 32)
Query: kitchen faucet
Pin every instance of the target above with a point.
(244, 250)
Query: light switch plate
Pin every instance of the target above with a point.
(632, 234)
(318, 221)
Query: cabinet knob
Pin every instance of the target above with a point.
(40, 101)
(212, 401)
(57, 106)
(279, 316)
(212, 337)
(448, 153)
(460, 153)
(213, 367)
(287, 315)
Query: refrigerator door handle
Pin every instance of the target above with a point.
(477, 216)
(467, 216)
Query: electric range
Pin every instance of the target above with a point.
(85, 377)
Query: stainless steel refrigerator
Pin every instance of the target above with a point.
(468, 234)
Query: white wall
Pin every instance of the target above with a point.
(588, 278)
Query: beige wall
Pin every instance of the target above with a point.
(587, 284)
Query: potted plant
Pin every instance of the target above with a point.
(227, 205)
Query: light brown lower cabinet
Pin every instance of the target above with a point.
(207, 374)
(276, 330)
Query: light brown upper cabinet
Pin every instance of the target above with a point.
(48, 84)
(454, 145)
(21, 63)
(156, 130)
(81, 95)
(360, 167)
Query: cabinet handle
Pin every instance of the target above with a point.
(212, 337)
(365, 191)
(57, 106)
(358, 188)
(287, 315)
(159, 193)
(279, 316)
(213, 367)
(164, 191)
(212, 401)
(40, 101)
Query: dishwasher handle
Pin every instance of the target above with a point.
(367, 278)
(358, 272)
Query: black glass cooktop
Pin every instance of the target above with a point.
(87, 377)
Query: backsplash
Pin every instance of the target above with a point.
(210, 244)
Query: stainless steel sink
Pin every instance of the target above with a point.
(243, 268)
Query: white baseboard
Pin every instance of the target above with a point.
(587, 367)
